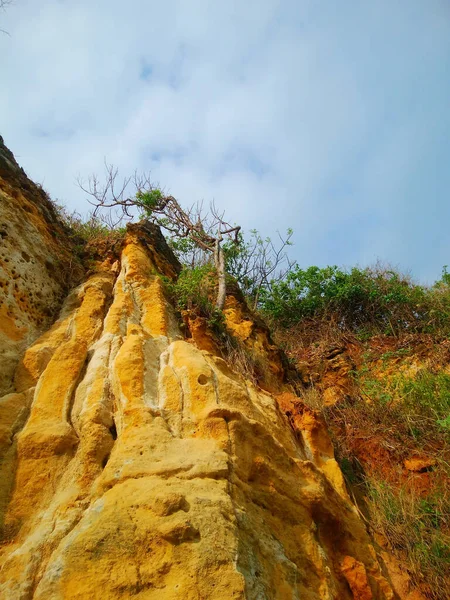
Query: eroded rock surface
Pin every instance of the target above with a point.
(148, 468)
(36, 265)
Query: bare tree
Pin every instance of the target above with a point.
(259, 262)
(206, 229)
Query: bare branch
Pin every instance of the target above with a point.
(259, 263)
(137, 193)
(3, 5)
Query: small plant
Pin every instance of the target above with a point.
(387, 356)
(193, 287)
(427, 396)
(194, 291)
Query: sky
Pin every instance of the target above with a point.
(330, 117)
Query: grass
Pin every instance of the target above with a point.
(427, 399)
(88, 232)
(421, 403)
(417, 528)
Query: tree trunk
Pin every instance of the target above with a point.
(219, 260)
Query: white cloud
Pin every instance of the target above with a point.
(316, 116)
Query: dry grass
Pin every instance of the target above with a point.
(312, 397)
(394, 412)
(418, 529)
(240, 358)
(413, 514)
(310, 334)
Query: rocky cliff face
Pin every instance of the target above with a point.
(136, 463)
(36, 264)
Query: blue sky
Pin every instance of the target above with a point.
(330, 117)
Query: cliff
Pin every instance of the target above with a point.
(136, 463)
(37, 266)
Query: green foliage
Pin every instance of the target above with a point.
(362, 300)
(237, 260)
(376, 390)
(148, 200)
(188, 252)
(182, 246)
(193, 287)
(428, 395)
(421, 402)
(445, 278)
(194, 290)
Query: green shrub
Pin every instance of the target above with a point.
(147, 201)
(372, 299)
(194, 290)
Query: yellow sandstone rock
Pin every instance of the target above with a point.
(36, 264)
(140, 465)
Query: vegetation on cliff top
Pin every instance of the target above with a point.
(365, 301)
(206, 230)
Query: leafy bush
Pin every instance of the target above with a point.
(194, 290)
(148, 200)
(376, 298)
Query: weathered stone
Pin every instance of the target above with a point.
(142, 465)
(36, 264)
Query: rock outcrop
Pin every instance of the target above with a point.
(147, 467)
(37, 266)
